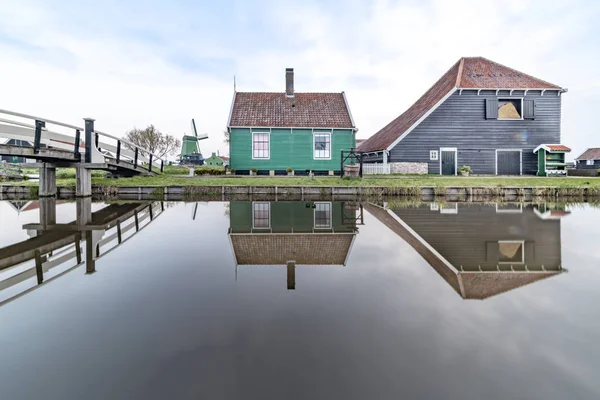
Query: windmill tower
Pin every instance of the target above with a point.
(190, 148)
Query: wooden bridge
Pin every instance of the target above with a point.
(57, 144)
(56, 249)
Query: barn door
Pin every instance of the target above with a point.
(509, 162)
(448, 162)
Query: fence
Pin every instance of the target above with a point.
(376, 169)
(8, 170)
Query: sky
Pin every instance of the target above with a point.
(134, 63)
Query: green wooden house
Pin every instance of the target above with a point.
(214, 161)
(303, 131)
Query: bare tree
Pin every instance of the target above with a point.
(152, 139)
(226, 134)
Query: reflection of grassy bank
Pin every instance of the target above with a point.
(67, 178)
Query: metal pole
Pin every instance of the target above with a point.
(162, 165)
(360, 171)
(135, 158)
(150, 164)
(342, 165)
(76, 152)
(89, 129)
(118, 151)
(38, 135)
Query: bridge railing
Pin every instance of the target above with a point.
(94, 145)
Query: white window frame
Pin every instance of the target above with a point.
(434, 155)
(444, 209)
(522, 242)
(455, 150)
(330, 216)
(315, 134)
(511, 98)
(509, 210)
(520, 159)
(252, 145)
(589, 162)
(254, 203)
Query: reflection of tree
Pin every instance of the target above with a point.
(227, 209)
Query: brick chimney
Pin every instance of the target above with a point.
(289, 82)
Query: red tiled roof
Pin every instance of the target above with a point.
(310, 110)
(467, 73)
(590, 154)
(558, 147)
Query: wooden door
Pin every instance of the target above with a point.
(509, 162)
(448, 162)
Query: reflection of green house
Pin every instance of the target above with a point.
(480, 250)
(214, 161)
(292, 233)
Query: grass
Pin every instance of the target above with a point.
(439, 182)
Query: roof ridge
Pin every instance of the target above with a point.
(294, 92)
(514, 70)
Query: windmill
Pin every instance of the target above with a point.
(190, 149)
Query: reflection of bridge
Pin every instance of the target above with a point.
(54, 149)
(480, 250)
(56, 249)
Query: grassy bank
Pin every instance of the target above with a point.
(386, 181)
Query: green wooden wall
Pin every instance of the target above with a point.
(289, 148)
(290, 216)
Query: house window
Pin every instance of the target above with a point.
(260, 145)
(322, 145)
(510, 108)
(261, 215)
(323, 215)
(433, 155)
(511, 252)
(589, 162)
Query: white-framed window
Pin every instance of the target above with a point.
(434, 207)
(511, 251)
(261, 215)
(322, 145)
(589, 162)
(323, 215)
(261, 145)
(510, 108)
(449, 208)
(433, 155)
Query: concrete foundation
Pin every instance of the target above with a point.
(83, 185)
(48, 181)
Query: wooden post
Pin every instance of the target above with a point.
(118, 151)
(89, 129)
(162, 165)
(342, 165)
(291, 275)
(135, 158)
(38, 136)
(150, 164)
(360, 171)
(76, 153)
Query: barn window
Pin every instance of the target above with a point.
(433, 155)
(510, 108)
(261, 215)
(589, 162)
(511, 252)
(323, 215)
(322, 145)
(260, 145)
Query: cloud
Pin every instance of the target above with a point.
(163, 63)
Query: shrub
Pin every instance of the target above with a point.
(232, 170)
(465, 168)
(288, 169)
(255, 170)
(209, 171)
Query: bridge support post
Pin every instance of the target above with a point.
(84, 212)
(83, 182)
(47, 212)
(47, 181)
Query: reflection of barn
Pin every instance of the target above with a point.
(480, 250)
(292, 233)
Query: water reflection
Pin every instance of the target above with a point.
(54, 249)
(290, 234)
(481, 250)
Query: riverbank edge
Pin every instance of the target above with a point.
(180, 191)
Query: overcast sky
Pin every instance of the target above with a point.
(134, 63)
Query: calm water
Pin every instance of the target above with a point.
(298, 300)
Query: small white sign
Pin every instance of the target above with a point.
(433, 155)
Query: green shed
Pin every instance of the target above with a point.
(551, 159)
(278, 130)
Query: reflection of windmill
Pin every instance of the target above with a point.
(190, 149)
